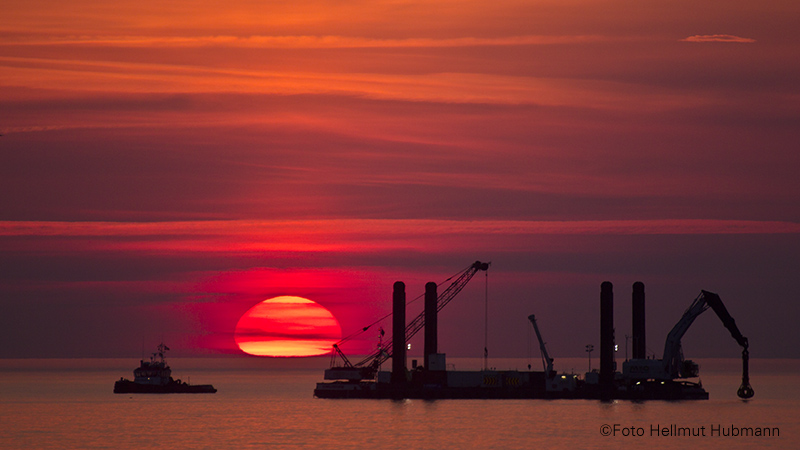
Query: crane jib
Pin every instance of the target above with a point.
(381, 354)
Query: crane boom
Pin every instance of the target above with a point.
(676, 367)
(723, 314)
(673, 353)
(546, 359)
(381, 354)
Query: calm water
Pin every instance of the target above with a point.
(269, 404)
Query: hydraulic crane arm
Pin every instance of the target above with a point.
(673, 354)
(548, 361)
(715, 303)
(745, 390)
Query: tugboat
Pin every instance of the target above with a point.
(154, 377)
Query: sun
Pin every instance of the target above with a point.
(287, 326)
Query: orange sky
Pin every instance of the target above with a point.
(166, 165)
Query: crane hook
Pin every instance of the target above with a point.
(745, 390)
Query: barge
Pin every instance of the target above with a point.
(668, 378)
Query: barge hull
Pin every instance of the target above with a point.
(644, 391)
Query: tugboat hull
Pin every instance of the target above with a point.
(173, 387)
(153, 377)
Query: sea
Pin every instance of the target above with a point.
(265, 403)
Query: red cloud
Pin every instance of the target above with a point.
(717, 38)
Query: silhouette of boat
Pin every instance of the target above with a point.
(154, 377)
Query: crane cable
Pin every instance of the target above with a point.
(486, 325)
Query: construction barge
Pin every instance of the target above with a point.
(641, 378)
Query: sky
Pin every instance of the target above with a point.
(166, 166)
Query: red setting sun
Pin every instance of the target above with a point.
(287, 326)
